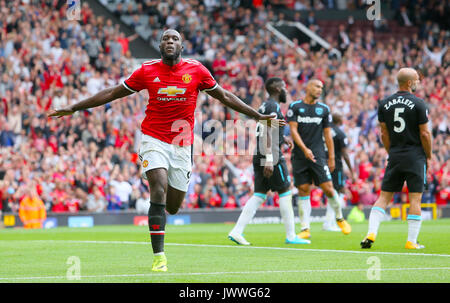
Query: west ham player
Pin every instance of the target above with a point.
(269, 166)
(340, 151)
(309, 122)
(173, 84)
(406, 136)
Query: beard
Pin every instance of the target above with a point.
(173, 56)
(413, 88)
(315, 96)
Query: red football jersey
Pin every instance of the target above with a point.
(173, 92)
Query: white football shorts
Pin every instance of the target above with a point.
(177, 160)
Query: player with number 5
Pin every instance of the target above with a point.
(406, 136)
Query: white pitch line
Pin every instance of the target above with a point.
(227, 273)
(250, 247)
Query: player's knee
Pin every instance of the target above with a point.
(328, 190)
(303, 190)
(158, 193)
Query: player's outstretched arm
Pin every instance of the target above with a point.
(105, 96)
(229, 99)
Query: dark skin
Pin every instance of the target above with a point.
(170, 48)
(277, 90)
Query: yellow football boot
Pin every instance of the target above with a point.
(411, 245)
(344, 226)
(304, 234)
(159, 263)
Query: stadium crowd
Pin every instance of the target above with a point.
(89, 161)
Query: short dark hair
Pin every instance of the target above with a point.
(269, 85)
(170, 29)
(337, 118)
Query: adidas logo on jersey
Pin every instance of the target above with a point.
(156, 80)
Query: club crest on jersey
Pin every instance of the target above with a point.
(186, 78)
(171, 91)
(319, 110)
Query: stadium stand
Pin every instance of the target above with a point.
(89, 161)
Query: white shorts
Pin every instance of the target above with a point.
(155, 153)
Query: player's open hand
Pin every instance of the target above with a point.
(67, 111)
(272, 120)
(309, 155)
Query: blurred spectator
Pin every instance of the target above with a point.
(59, 195)
(343, 38)
(436, 55)
(125, 41)
(122, 189)
(32, 211)
(317, 197)
(196, 199)
(356, 215)
(6, 136)
(311, 19)
(381, 24)
(366, 195)
(143, 203)
(403, 18)
(96, 202)
(114, 202)
(443, 193)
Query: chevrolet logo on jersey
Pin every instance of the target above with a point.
(171, 91)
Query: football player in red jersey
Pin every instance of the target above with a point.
(173, 85)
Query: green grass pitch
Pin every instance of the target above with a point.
(202, 253)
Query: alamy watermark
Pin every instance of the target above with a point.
(231, 137)
(74, 270)
(374, 271)
(374, 11)
(73, 10)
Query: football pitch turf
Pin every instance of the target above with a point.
(200, 253)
